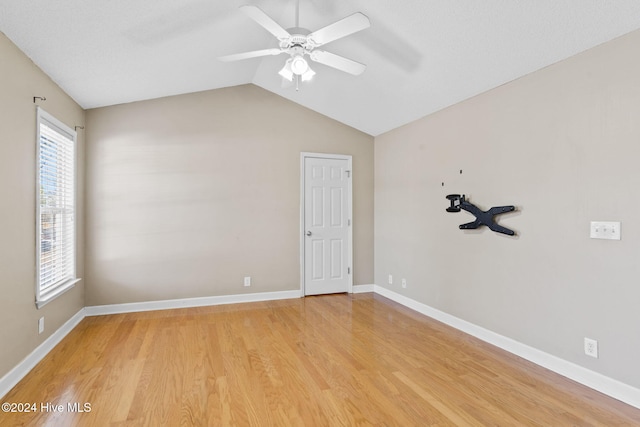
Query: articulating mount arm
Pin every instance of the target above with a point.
(482, 217)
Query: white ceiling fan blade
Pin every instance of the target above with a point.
(344, 27)
(263, 19)
(338, 62)
(252, 54)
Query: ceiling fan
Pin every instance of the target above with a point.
(299, 42)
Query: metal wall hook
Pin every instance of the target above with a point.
(41, 98)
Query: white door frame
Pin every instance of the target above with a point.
(303, 156)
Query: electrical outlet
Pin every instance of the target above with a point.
(591, 347)
(404, 283)
(41, 325)
(390, 279)
(247, 281)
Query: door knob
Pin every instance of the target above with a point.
(308, 233)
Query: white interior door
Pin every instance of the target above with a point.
(327, 225)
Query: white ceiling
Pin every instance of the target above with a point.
(421, 55)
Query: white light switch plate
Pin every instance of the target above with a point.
(605, 230)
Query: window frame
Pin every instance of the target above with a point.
(50, 293)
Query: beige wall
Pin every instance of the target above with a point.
(191, 193)
(563, 144)
(20, 81)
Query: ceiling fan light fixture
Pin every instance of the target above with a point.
(286, 71)
(308, 75)
(299, 65)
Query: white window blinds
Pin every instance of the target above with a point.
(56, 244)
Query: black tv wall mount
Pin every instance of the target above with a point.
(482, 217)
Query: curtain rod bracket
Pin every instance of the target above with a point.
(79, 127)
(41, 98)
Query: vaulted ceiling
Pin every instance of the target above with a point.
(421, 55)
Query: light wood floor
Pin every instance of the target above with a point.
(338, 360)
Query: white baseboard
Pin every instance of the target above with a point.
(28, 363)
(613, 388)
(360, 289)
(98, 310)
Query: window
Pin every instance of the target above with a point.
(56, 194)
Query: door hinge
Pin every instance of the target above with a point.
(349, 222)
(348, 270)
(348, 174)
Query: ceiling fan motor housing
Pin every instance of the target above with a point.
(298, 38)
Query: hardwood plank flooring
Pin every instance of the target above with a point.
(335, 360)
